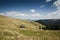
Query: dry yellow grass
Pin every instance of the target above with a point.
(9, 30)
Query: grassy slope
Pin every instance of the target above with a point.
(6, 21)
(9, 30)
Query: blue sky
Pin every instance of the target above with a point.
(30, 9)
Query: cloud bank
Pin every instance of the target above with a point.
(56, 14)
(48, 0)
(32, 11)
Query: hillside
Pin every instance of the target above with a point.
(10, 30)
(12, 22)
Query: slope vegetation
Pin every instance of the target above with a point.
(10, 30)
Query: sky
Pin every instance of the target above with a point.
(31, 9)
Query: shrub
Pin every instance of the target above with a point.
(22, 26)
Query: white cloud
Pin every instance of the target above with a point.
(30, 16)
(57, 3)
(1, 13)
(32, 10)
(53, 13)
(56, 14)
(13, 13)
(36, 15)
(42, 6)
(48, 0)
(20, 14)
(16, 14)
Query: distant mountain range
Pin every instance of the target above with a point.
(52, 23)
